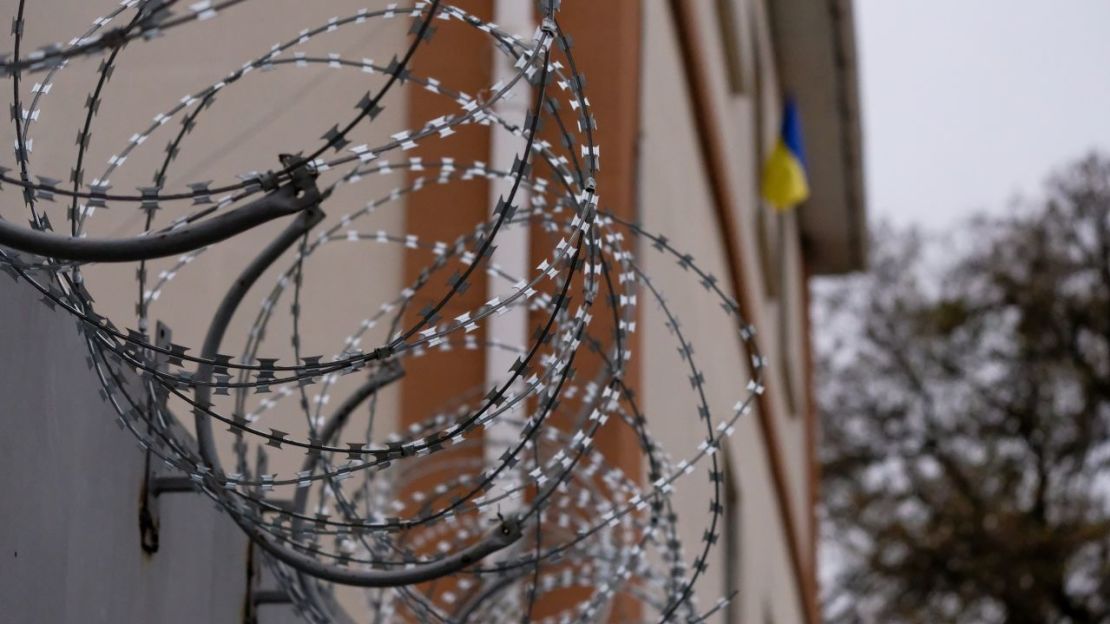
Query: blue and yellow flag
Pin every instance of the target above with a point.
(785, 184)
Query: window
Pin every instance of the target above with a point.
(771, 232)
(730, 45)
(786, 311)
(733, 537)
(765, 222)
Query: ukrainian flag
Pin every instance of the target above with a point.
(784, 174)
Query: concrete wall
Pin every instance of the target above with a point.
(70, 479)
(71, 482)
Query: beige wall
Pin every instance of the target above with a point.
(266, 113)
(676, 201)
(290, 108)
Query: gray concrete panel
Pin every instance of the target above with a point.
(70, 486)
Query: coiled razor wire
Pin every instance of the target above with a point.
(490, 537)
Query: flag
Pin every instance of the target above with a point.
(785, 184)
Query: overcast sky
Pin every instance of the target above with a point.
(968, 103)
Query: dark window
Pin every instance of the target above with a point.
(733, 538)
(730, 45)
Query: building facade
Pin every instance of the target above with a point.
(736, 61)
(688, 97)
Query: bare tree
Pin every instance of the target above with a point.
(966, 408)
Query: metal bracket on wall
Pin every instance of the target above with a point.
(148, 516)
(148, 511)
(270, 596)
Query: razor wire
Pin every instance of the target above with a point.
(433, 527)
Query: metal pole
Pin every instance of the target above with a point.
(205, 442)
(507, 533)
(279, 203)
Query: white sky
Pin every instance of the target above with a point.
(968, 103)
